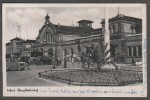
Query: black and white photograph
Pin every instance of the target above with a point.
(92, 50)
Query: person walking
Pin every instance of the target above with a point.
(65, 62)
(133, 61)
(53, 62)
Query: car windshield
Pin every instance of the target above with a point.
(21, 64)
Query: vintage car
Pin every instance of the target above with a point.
(13, 65)
(139, 63)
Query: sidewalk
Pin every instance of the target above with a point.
(129, 67)
(78, 65)
(121, 65)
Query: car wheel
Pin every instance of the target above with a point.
(19, 69)
(41, 63)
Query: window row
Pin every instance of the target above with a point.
(48, 37)
(135, 51)
(128, 28)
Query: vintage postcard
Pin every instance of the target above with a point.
(74, 50)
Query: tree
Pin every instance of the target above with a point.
(92, 56)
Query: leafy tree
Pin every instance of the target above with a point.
(93, 55)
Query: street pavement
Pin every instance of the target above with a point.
(30, 77)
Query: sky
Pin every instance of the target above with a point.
(31, 19)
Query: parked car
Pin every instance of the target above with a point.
(13, 65)
(43, 60)
(139, 63)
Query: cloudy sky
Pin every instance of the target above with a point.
(32, 19)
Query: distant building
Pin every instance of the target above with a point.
(26, 47)
(8, 50)
(13, 48)
(18, 47)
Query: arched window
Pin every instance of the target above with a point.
(50, 50)
(45, 38)
(51, 38)
(65, 52)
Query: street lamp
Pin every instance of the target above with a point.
(54, 56)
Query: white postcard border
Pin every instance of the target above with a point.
(120, 91)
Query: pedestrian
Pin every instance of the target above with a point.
(65, 62)
(54, 62)
(133, 61)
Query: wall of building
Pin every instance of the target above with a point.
(70, 37)
(71, 48)
(8, 49)
(135, 45)
(16, 46)
(118, 47)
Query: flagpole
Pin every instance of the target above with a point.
(107, 38)
(108, 64)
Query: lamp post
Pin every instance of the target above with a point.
(54, 56)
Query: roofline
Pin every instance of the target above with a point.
(85, 20)
(8, 43)
(16, 38)
(120, 18)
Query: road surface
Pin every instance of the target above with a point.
(29, 77)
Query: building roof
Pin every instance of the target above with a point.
(128, 18)
(8, 43)
(72, 30)
(18, 39)
(50, 25)
(89, 21)
(30, 41)
(93, 32)
(123, 17)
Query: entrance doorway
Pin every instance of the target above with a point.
(113, 51)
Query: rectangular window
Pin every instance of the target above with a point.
(18, 47)
(134, 51)
(140, 50)
(129, 52)
(116, 28)
(111, 30)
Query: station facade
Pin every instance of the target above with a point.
(68, 41)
